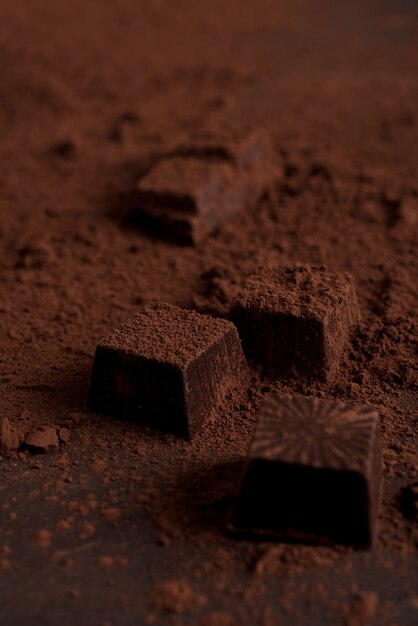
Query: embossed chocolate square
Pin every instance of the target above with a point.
(313, 472)
(167, 368)
(296, 320)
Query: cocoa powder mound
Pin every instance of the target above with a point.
(92, 95)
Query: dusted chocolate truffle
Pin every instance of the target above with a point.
(296, 320)
(166, 367)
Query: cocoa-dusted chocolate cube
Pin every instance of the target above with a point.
(166, 367)
(190, 192)
(296, 320)
(313, 472)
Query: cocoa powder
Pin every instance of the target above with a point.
(91, 96)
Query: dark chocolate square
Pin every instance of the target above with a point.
(296, 320)
(166, 367)
(313, 472)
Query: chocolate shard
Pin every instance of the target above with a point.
(296, 320)
(167, 368)
(313, 472)
(190, 192)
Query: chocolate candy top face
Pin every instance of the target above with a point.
(300, 290)
(318, 433)
(167, 368)
(313, 472)
(167, 334)
(296, 320)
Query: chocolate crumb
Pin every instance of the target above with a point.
(42, 440)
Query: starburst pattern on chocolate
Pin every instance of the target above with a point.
(314, 432)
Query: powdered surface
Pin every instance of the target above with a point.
(167, 334)
(91, 95)
(297, 290)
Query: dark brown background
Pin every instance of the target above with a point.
(90, 93)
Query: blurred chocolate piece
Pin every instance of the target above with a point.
(296, 320)
(167, 368)
(313, 472)
(190, 192)
(187, 197)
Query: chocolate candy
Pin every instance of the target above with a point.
(313, 472)
(296, 320)
(166, 367)
(190, 192)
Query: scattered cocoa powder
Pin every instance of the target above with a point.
(293, 560)
(91, 96)
(361, 611)
(44, 538)
(112, 514)
(105, 562)
(175, 596)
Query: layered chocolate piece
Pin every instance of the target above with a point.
(167, 368)
(313, 472)
(296, 320)
(190, 192)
